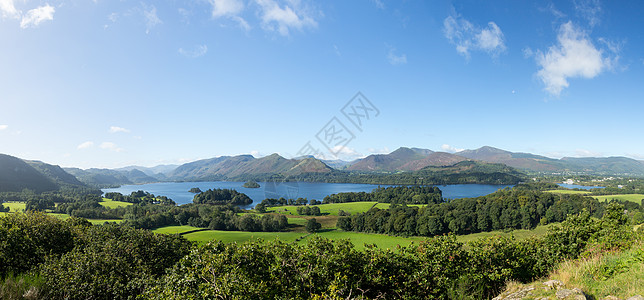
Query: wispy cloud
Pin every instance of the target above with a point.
(85, 145)
(115, 129)
(337, 50)
(379, 4)
(222, 8)
(587, 153)
(3, 127)
(8, 9)
(590, 10)
(574, 56)
(197, 51)
(151, 18)
(468, 37)
(384, 150)
(344, 153)
(285, 18)
(396, 59)
(450, 149)
(111, 146)
(230, 9)
(35, 16)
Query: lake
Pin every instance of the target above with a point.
(179, 191)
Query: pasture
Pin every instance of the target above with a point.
(358, 239)
(109, 203)
(240, 236)
(568, 192)
(15, 206)
(637, 198)
(331, 209)
(175, 229)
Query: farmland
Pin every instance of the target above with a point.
(637, 198)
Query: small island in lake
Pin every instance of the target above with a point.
(195, 190)
(251, 184)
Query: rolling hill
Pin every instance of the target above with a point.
(389, 162)
(16, 175)
(537, 163)
(241, 166)
(107, 177)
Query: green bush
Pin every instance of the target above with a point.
(112, 262)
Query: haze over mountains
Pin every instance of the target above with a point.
(17, 174)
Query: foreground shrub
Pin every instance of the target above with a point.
(112, 262)
(26, 239)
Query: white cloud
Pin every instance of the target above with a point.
(344, 153)
(115, 129)
(337, 50)
(111, 146)
(85, 145)
(222, 8)
(230, 9)
(467, 37)
(384, 150)
(3, 127)
(151, 18)
(573, 56)
(590, 10)
(587, 153)
(490, 39)
(395, 59)
(197, 51)
(555, 12)
(8, 9)
(35, 16)
(256, 153)
(283, 19)
(450, 149)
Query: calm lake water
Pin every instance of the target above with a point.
(179, 191)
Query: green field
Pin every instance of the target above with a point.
(331, 209)
(175, 229)
(297, 221)
(637, 198)
(519, 234)
(15, 206)
(240, 236)
(359, 239)
(109, 203)
(568, 192)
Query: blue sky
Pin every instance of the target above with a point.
(115, 83)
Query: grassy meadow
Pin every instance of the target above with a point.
(331, 209)
(568, 192)
(637, 198)
(15, 206)
(109, 203)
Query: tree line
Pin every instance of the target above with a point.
(222, 197)
(417, 194)
(520, 207)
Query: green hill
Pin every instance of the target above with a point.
(16, 175)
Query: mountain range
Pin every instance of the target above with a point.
(17, 174)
